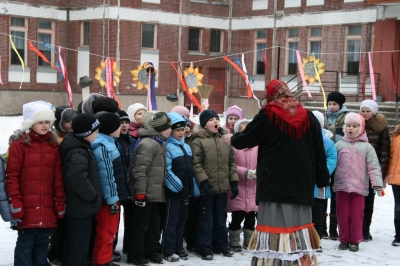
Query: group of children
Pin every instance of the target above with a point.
(172, 176)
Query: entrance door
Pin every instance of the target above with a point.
(216, 78)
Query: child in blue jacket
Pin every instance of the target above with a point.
(180, 186)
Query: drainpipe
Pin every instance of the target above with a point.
(273, 44)
(228, 70)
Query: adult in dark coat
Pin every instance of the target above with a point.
(291, 160)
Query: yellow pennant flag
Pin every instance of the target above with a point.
(20, 59)
(320, 82)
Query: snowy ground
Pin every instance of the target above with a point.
(377, 252)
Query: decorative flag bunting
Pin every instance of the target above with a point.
(320, 81)
(1, 82)
(66, 81)
(151, 92)
(110, 63)
(364, 75)
(242, 66)
(20, 59)
(248, 81)
(57, 64)
(184, 86)
(264, 60)
(241, 72)
(393, 76)
(299, 62)
(372, 77)
(39, 53)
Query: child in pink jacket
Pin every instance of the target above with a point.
(243, 207)
(357, 165)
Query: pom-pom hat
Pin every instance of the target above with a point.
(234, 110)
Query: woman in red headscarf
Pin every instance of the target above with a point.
(291, 160)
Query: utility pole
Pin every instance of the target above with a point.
(228, 69)
(273, 43)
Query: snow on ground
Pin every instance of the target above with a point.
(377, 252)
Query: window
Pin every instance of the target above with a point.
(194, 39)
(18, 31)
(45, 35)
(292, 3)
(259, 4)
(353, 43)
(148, 36)
(314, 39)
(85, 33)
(293, 45)
(315, 2)
(261, 36)
(215, 41)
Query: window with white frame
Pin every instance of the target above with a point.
(149, 36)
(85, 33)
(351, 1)
(194, 43)
(260, 4)
(292, 3)
(314, 41)
(45, 35)
(18, 31)
(260, 43)
(315, 2)
(353, 45)
(215, 41)
(293, 45)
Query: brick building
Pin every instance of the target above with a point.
(198, 31)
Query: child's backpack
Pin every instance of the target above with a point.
(4, 204)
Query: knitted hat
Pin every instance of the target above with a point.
(371, 105)
(160, 121)
(177, 120)
(87, 104)
(84, 125)
(207, 115)
(320, 117)
(336, 97)
(182, 110)
(355, 118)
(133, 109)
(239, 122)
(105, 104)
(63, 113)
(123, 115)
(109, 123)
(34, 112)
(234, 110)
(148, 115)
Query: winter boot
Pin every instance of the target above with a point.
(366, 224)
(234, 240)
(325, 229)
(333, 227)
(396, 241)
(247, 233)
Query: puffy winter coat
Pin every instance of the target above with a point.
(334, 122)
(148, 165)
(81, 177)
(179, 179)
(213, 160)
(379, 138)
(4, 204)
(126, 143)
(246, 200)
(357, 165)
(331, 161)
(393, 174)
(34, 178)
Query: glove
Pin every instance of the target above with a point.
(14, 224)
(251, 174)
(59, 208)
(234, 189)
(140, 200)
(114, 209)
(206, 186)
(17, 210)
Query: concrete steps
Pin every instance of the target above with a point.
(388, 109)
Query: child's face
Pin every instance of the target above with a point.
(212, 125)
(67, 126)
(124, 126)
(242, 127)
(178, 133)
(232, 119)
(139, 116)
(187, 131)
(166, 133)
(41, 127)
(352, 130)
(92, 136)
(116, 133)
(366, 113)
(333, 106)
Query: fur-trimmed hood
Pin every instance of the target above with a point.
(377, 123)
(199, 132)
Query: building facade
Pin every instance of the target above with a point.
(198, 33)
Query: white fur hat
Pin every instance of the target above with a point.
(320, 117)
(34, 112)
(237, 124)
(133, 109)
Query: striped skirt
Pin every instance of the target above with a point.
(284, 236)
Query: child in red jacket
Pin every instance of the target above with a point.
(34, 184)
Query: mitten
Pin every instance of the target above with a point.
(206, 186)
(140, 200)
(16, 208)
(114, 209)
(59, 208)
(234, 189)
(14, 224)
(251, 174)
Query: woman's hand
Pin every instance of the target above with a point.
(227, 138)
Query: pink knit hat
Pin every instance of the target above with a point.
(355, 118)
(234, 110)
(182, 110)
